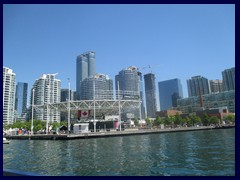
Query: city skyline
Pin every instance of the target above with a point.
(172, 44)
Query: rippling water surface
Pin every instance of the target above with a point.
(209, 152)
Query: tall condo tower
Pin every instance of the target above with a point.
(216, 85)
(150, 95)
(47, 90)
(85, 67)
(103, 87)
(197, 86)
(8, 95)
(229, 79)
(130, 80)
(169, 92)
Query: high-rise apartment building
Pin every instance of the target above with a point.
(21, 99)
(131, 85)
(169, 92)
(9, 81)
(229, 79)
(85, 67)
(197, 86)
(47, 90)
(103, 87)
(216, 85)
(150, 95)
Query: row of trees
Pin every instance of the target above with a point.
(37, 125)
(176, 120)
(190, 120)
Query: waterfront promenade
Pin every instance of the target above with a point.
(104, 133)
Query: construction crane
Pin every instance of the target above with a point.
(149, 67)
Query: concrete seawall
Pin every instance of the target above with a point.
(102, 134)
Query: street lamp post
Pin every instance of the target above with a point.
(119, 108)
(48, 98)
(94, 114)
(32, 110)
(68, 105)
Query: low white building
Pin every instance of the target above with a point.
(80, 128)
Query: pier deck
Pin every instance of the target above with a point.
(100, 134)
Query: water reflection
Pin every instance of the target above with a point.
(184, 153)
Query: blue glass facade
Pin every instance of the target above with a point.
(150, 94)
(168, 90)
(85, 67)
(21, 98)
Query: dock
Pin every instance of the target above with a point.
(104, 134)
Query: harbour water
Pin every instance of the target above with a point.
(193, 153)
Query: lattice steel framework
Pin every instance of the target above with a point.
(101, 106)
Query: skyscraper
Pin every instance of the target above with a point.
(8, 95)
(197, 86)
(169, 92)
(85, 67)
(229, 79)
(150, 95)
(47, 91)
(216, 85)
(64, 95)
(103, 87)
(21, 99)
(131, 85)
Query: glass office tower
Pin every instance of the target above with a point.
(21, 98)
(169, 92)
(85, 67)
(150, 95)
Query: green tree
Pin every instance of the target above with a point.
(205, 119)
(167, 121)
(172, 120)
(188, 121)
(136, 122)
(148, 121)
(158, 121)
(196, 119)
(55, 125)
(213, 120)
(178, 119)
(63, 123)
(230, 118)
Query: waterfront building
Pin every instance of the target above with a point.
(131, 86)
(214, 100)
(85, 67)
(21, 99)
(169, 92)
(219, 112)
(47, 90)
(169, 112)
(197, 86)
(103, 87)
(9, 81)
(229, 79)
(216, 86)
(150, 95)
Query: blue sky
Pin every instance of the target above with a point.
(177, 41)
